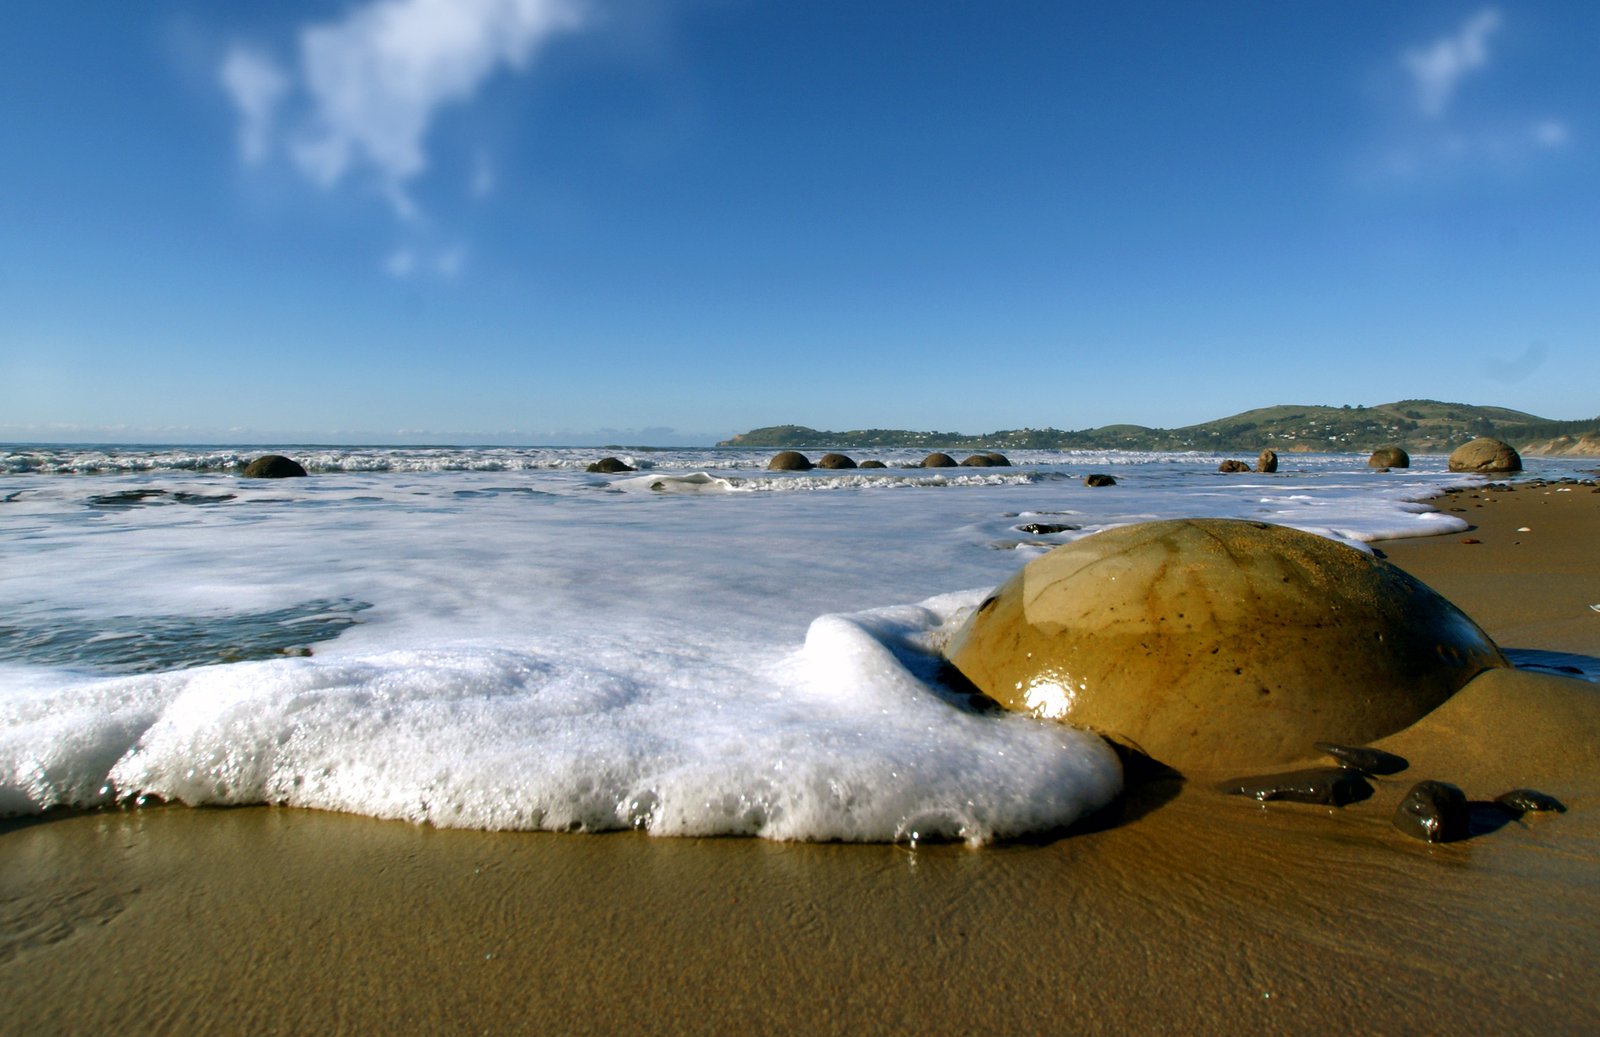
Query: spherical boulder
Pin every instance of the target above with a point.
(1219, 643)
(835, 461)
(978, 461)
(274, 466)
(998, 459)
(873, 464)
(1389, 457)
(611, 465)
(1099, 479)
(1485, 455)
(789, 461)
(1267, 461)
(938, 460)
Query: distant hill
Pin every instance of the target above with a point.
(1420, 426)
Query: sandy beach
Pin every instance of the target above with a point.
(1190, 911)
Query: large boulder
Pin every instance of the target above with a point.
(873, 464)
(937, 459)
(611, 466)
(789, 461)
(1219, 643)
(1389, 457)
(1099, 479)
(1267, 461)
(1485, 455)
(997, 459)
(835, 461)
(1231, 465)
(274, 466)
(978, 461)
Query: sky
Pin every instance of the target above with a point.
(667, 221)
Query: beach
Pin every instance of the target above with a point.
(1178, 910)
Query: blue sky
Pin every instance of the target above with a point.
(667, 221)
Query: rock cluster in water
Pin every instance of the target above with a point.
(1219, 643)
(611, 466)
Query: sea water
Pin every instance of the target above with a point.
(496, 638)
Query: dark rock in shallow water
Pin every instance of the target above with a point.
(1330, 786)
(978, 461)
(1231, 465)
(1524, 801)
(1099, 479)
(789, 461)
(1389, 457)
(1267, 461)
(938, 459)
(1360, 758)
(610, 465)
(997, 459)
(1045, 528)
(125, 499)
(835, 461)
(273, 466)
(1435, 812)
(873, 464)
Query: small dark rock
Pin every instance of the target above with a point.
(873, 464)
(1231, 465)
(274, 466)
(1435, 812)
(1389, 457)
(938, 460)
(1267, 461)
(1331, 786)
(789, 461)
(1045, 528)
(1098, 479)
(1523, 801)
(1360, 758)
(609, 465)
(835, 461)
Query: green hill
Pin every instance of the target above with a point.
(1420, 426)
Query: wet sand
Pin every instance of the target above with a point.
(1191, 912)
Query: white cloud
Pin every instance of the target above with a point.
(1438, 69)
(257, 87)
(1550, 133)
(365, 90)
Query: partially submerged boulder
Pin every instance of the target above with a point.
(1232, 465)
(835, 461)
(938, 459)
(611, 465)
(1389, 457)
(789, 461)
(1220, 643)
(978, 461)
(274, 466)
(1485, 455)
(873, 464)
(1267, 461)
(1099, 479)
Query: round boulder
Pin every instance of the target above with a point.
(1099, 479)
(999, 460)
(789, 461)
(1389, 457)
(938, 460)
(835, 461)
(611, 465)
(1485, 455)
(873, 464)
(1267, 461)
(978, 461)
(274, 466)
(1219, 643)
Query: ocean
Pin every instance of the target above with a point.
(496, 638)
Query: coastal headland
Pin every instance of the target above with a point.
(1184, 911)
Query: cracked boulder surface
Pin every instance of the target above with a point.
(1220, 643)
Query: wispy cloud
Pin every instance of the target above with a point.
(359, 95)
(1438, 68)
(1438, 128)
